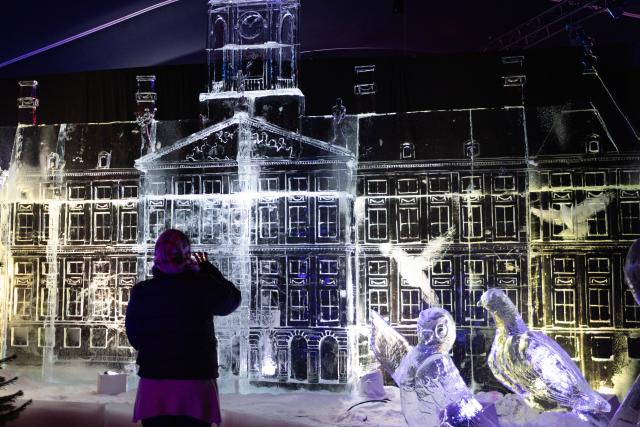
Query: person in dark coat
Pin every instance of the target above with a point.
(170, 323)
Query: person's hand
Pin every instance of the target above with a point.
(201, 257)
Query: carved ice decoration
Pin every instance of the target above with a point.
(534, 366)
(632, 270)
(428, 379)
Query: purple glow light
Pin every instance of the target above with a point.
(88, 32)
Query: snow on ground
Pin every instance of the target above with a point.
(77, 397)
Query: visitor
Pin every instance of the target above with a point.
(170, 323)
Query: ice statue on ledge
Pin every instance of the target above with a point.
(534, 366)
(432, 392)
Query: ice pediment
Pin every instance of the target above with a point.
(219, 144)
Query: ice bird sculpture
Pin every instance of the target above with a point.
(428, 379)
(413, 267)
(534, 366)
(632, 270)
(574, 221)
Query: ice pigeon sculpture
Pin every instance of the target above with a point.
(534, 366)
(632, 270)
(575, 221)
(428, 379)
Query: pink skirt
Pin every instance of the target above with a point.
(193, 398)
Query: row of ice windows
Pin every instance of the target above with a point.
(77, 266)
(436, 184)
(592, 179)
(599, 307)
(601, 347)
(380, 267)
(77, 226)
(298, 304)
(217, 185)
(102, 191)
(298, 267)
(72, 338)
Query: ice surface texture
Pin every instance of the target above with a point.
(632, 270)
(534, 366)
(428, 379)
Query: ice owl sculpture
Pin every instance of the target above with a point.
(632, 270)
(534, 366)
(428, 379)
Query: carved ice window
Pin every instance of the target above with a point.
(103, 192)
(77, 226)
(408, 186)
(631, 308)
(22, 302)
(269, 266)
(410, 304)
(439, 184)
(75, 267)
(269, 221)
(377, 187)
(129, 266)
(72, 338)
(379, 301)
(269, 299)
(630, 177)
(104, 160)
(182, 219)
(269, 184)
(328, 266)
(601, 348)
(472, 221)
(630, 218)
(129, 191)
(76, 193)
(597, 223)
(569, 344)
(101, 267)
(598, 265)
(98, 338)
(158, 188)
(564, 266)
(298, 305)
(327, 183)
(564, 306)
(44, 226)
(594, 179)
(473, 312)
(156, 223)
(211, 186)
(409, 223)
(439, 220)
(123, 341)
(74, 302)
(561, 180)
(329, 305)
(211, 224)
(473, 266)
(507, 266)
(129, 226)
(505, 221)
(25, 226)
(561, 229)
(298, 183)
(407, 151)
(24, 267)
(441, 267)
(378, 267)
(123, 300)
(599, 306)
(42, 339)
(470, 184)
(20, 336)
(445, 299)
(298, 267)
(377, 223)
(504, 183)
(102, 226)
(328, 221)
(46, 305)
(101, 302)
(298, 220)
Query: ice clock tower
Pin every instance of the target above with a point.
(252, 51)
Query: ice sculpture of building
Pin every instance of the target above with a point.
(294, 209)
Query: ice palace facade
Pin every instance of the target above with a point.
(319, 219)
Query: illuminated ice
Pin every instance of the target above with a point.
(534, 366)
(428, 380)
(632, 270)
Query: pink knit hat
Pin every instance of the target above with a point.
(173, 252)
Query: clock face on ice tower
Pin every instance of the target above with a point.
(251, 25)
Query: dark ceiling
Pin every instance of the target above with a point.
(175, 33)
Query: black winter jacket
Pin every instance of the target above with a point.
(170, 322)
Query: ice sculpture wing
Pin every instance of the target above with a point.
(548, 215)
(590, 207)
(387, 345)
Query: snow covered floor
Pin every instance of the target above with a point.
(78, 404)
